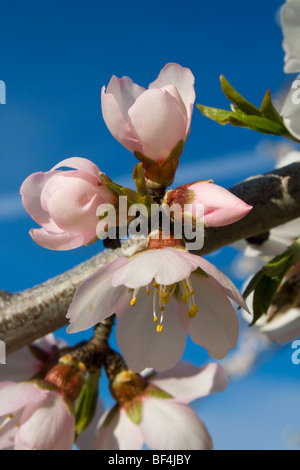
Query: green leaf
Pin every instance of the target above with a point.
(269, 111)
(219, 115)
(265, 120)
(238, 99)
(267, 281)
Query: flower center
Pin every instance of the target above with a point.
(161, 296)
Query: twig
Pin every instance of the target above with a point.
(35, 312)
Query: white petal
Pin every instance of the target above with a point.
(215, 326)
(95, 299)
(47, 425)
(120, 434)
(186, 382)
(141, 345)
(167, 425)
(166, 266)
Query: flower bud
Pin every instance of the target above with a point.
(216, 205)
(65, 203)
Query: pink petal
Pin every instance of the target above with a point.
(9, 431)
(141, 345)
(165, 265)
(221, 207)
(186, 382)
(31, 197)
(218, 278)
(48, 425)
(96, 299)
(167, 425)
(125, 92)
(184, 81)
(117, 123)
(120, 434)
(158, 122)
(60, 241)
(14, 396)
(290, 113)
(215, 326)
(79, 163)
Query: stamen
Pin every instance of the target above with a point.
(133, 302)
(155, 319)
(159, 328)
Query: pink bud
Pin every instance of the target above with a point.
(151, 123)
(65, 203)
(219, 206)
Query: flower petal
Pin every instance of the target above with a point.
(47, 425)
(79, 163)
(14, 396)
(120, 434)
(215, 326)
(184, 81)
(117, 124)
(290, 21)
(186, 382)
(167, 425)
(96, 299)
(141, 345)
(158, 122)
(165, 265)
(221, 207)
(31, 197)
(60, 241)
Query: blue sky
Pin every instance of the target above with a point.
(56, 56)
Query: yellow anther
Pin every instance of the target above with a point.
(155, 284)
(159, 328)
(192, 292)
(192, 311)
(0, 429)
(11, 416)
(82, 367)
(164, 297)
(133, 301)
(148, 291)
(162, 308)
(184, 298)
(155, 319)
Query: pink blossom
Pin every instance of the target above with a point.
(160, 295)
(34, 418)
(150, 122)
(166, 421)
(220, 206)
(27, 362)
(65, 203)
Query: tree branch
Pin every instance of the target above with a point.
(35, 312)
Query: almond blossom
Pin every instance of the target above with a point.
(152, 123)
(160, 295)
(64, 203)
(33, 417)
(29, 362)
(164, 421)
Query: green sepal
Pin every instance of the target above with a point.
(152, 391)
(134, 410)
(111, 415)
(87, 402)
